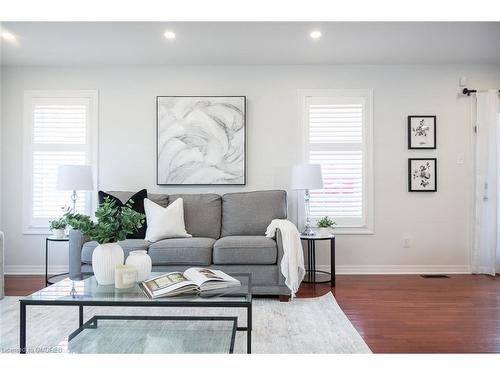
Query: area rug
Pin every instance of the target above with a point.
(312, 325)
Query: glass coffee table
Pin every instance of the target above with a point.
(145, 333)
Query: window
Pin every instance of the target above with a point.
(60, 128)
(337, 129)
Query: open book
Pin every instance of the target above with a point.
(192, 281)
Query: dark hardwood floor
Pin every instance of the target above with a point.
(22, 285)
(411, 314)
(400, 313)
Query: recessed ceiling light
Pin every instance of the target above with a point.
(169, 35)
(316, 34)
(8, 37)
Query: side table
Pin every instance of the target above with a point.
(47, 278)
(314, 276)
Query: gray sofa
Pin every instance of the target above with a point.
(228, 234)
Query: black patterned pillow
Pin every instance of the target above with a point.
(136, 201)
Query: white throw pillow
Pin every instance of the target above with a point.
(164, 222)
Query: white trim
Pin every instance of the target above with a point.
(396, 269)
(352, 230)
(340, 269)
(92, 142)
(303, 134)
(34, 269)
(471, 214)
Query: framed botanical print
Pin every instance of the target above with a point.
(422, 174)
(421, 132)
(201, 140)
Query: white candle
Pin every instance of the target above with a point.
(125, 276)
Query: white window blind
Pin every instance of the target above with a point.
(60, 124)
(60, 129)
(338, 136)
(47, 201)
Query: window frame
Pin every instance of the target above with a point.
(30, 225)
(367, 227)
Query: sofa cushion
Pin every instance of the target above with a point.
(161, 199)
(164, 222)
(202, 213)
(188, 251)
(250, 213)
(127, 246)
(136, 202)
(245, 250)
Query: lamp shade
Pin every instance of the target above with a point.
(74, 177)
(307, 176)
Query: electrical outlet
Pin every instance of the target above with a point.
(406, 242)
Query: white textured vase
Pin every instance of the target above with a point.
(142, 263)
(58, 233)
(104, 260)
(323, 231)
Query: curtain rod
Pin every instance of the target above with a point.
(467, 91)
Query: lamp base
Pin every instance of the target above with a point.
(74, 197)
(308, 231)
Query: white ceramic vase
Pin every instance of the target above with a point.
(142, 263)
(104, 260)
(58, 233)
(323, 231)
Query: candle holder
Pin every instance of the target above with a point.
(125, 276)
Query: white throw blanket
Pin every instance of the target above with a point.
(292, 264)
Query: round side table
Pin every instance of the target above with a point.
(314, 276)
(53, 279)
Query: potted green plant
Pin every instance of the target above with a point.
(325, 225)
(57, 227)
(112, 224)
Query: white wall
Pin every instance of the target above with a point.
(1, 127)
(438, 224)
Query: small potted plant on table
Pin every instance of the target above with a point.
(325, 225)
(113, 225)
(58, 227)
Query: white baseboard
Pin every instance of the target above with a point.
(340, 269)
(33, 269)
(396, 269)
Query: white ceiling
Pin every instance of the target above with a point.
(142, 43)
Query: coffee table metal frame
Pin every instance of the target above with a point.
(160, 302)
(92, 323)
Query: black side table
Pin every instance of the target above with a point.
(47, 278)
(314, 276)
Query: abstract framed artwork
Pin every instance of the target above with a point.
(422, 174)
(201, 140)
(421, 132)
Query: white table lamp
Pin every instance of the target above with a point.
(306, 177)
(74, 177)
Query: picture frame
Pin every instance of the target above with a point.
(422, 132)
(201, 140)
(422, 174)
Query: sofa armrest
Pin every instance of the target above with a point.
(279, 243)
(76, 241)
